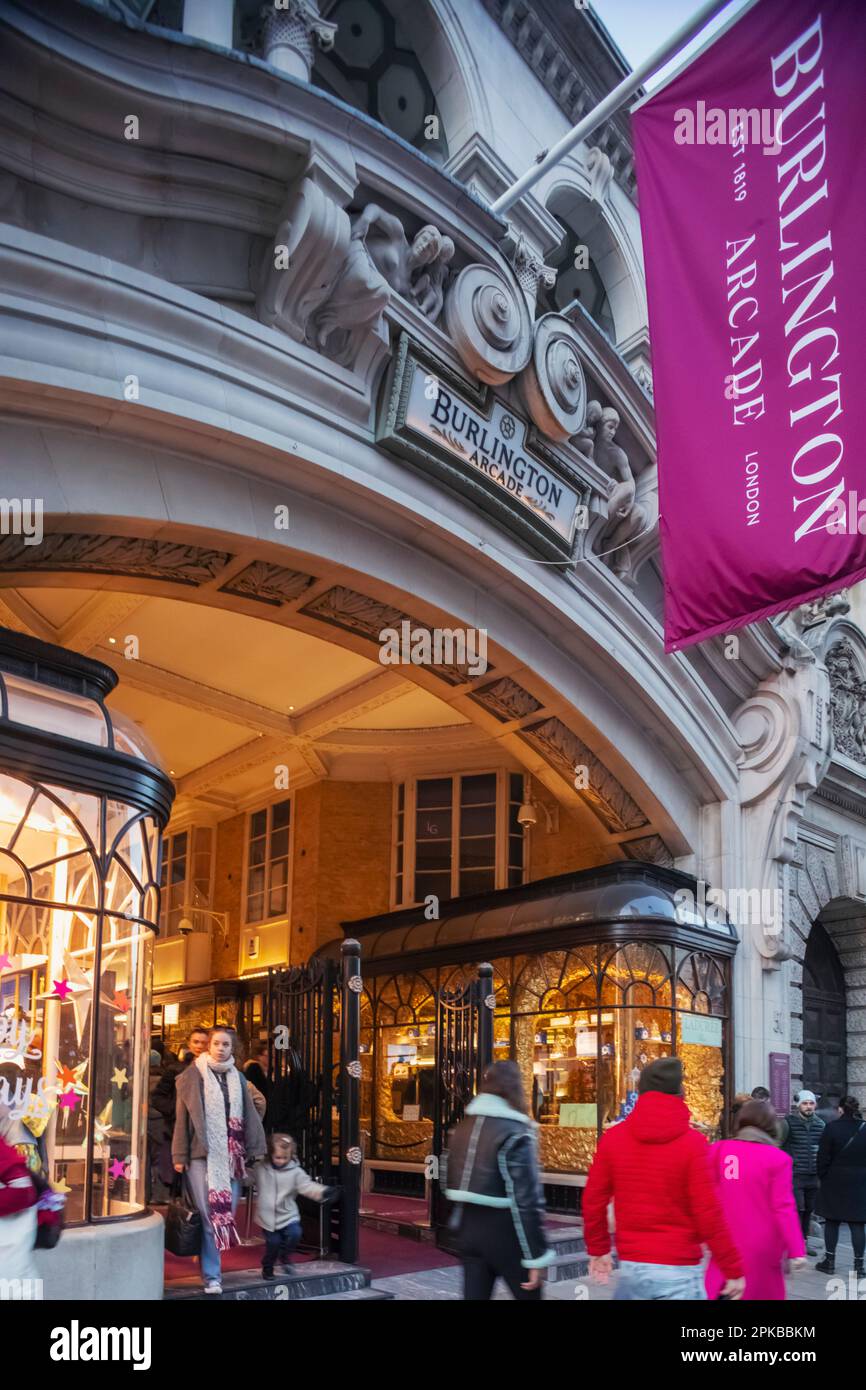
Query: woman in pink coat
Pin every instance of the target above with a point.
(755, 1186)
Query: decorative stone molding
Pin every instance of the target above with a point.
(489, 323)
(605, 796)
(529, 267)
(506, 700)
(561, 45)
(368, 617)
(268, 583)
(847, 700)
(650, 849)
(300, 269)
(600, 171)
(786, 744)
(144, 559)
(826, 875)
(290, 34)
(552, 384)
(642, 374)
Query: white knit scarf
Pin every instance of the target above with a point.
(225, 1145)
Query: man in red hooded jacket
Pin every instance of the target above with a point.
(655, 1168)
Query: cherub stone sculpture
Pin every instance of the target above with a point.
(428, 291)
(628, 514)
(380, 259)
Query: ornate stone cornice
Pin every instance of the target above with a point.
(578, 65)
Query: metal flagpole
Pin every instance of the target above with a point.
(612, 102)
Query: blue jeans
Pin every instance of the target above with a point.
(279, 1245)
(210, 1256)
(645, 1281)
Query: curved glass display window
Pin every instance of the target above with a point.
(405, 1060)
(80, 830)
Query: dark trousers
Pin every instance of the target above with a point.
(858, 1237)
(279, 1245)
(489, 1249)
(806, 1194)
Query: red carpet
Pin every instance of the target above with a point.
(380, 1252)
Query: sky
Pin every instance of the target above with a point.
(638, 27)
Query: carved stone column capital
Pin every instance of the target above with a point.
(292, 27)
(529, 267)
(552, 384)
(489, 323)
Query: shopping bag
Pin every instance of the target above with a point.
(183, 1226)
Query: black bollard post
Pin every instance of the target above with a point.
(350, 1100)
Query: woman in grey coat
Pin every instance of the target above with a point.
(217, 1132)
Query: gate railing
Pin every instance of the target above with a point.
(464, 1048)
(315, 1094)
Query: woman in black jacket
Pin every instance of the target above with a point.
(493, 1182)
(841, 1165)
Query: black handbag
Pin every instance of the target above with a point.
(183, 1225)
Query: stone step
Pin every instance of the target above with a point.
(567, 1242)
(355, 1296)
(312, 1279)
(410, 1230)
(574, 1266)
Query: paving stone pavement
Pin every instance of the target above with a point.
(437, 1285)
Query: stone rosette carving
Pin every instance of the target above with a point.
(847, 700)
(506, 700)
(266, 583)
(145, 559)
(487, 317)
(552, 384)
(605, 796)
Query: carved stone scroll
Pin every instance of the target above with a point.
(488, 319)
(552, 384)
(310, 249)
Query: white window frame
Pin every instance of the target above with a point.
(279, 916)
(410, 804)
(167, 860)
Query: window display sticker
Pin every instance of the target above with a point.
(578, 1116)
(699, 1029)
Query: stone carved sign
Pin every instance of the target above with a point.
(847, 701)
(429, 419)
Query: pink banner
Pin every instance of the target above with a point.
(752, 189)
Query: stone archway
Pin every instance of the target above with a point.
(824, 898)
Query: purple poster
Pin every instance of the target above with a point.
(752, 188)
(780, 1082)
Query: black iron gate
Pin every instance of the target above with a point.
(313, 1039)
(464, 1047)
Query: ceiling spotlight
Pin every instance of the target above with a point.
(113, 641)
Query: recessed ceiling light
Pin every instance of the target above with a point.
(291, 707)
(112, 640)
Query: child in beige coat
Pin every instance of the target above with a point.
(279, 1181)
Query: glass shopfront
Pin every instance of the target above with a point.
(580, 1019)
(81, 814)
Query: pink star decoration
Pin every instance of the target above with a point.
(61, 989)
(68, 1100)
(117, 1169)
(5, 962)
